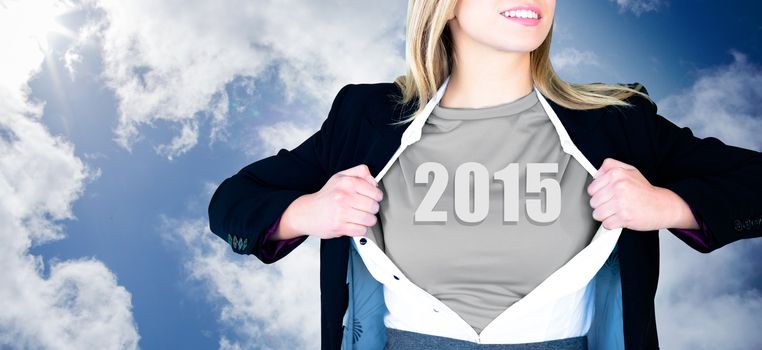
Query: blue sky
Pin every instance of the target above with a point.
(119, 119)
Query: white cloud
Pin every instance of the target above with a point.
(71, 58)
(263, 306)
(639, 7)
(225, 344)
(571, 59)
(708, 301)
(79, 305)
(173, 62)
(723, 102)
(285, 134)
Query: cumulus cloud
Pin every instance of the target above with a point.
(639, 7)
(723, 102)
(262, 306)
(173, 63)
(79, 304)
(709, 301)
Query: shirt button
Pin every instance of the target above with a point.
(363, 241)
(435, 310)
(395, 277)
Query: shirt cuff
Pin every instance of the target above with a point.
(700, 237)
(269, 249)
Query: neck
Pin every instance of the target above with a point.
(482, 76)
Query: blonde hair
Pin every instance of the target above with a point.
(429, 58)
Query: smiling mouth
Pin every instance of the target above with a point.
(522, 13)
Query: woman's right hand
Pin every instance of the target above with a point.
(345, 206)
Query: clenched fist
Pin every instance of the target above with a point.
(622, 197)
(345, 206)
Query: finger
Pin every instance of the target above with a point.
(362, 171)
(612, 174)
(602, 196)
(598, 182)
(369, 191)
(361, 217)
(368, 176)
(611, 223)
(610, 163)
(605, 165)
(621, 164)
(364, 203)
(604, 211)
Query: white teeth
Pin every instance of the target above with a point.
(521, 14)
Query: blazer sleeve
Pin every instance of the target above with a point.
(246, 207)
(698, 238)
(271, 250)
(720, 182)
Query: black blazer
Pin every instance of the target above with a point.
(720, 182)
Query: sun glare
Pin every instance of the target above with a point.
(34, 19)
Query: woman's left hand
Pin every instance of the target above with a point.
(622, 197)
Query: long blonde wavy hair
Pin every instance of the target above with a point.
(429, 58)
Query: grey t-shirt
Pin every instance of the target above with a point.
(460, 219)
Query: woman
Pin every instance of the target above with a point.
(613, 173)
